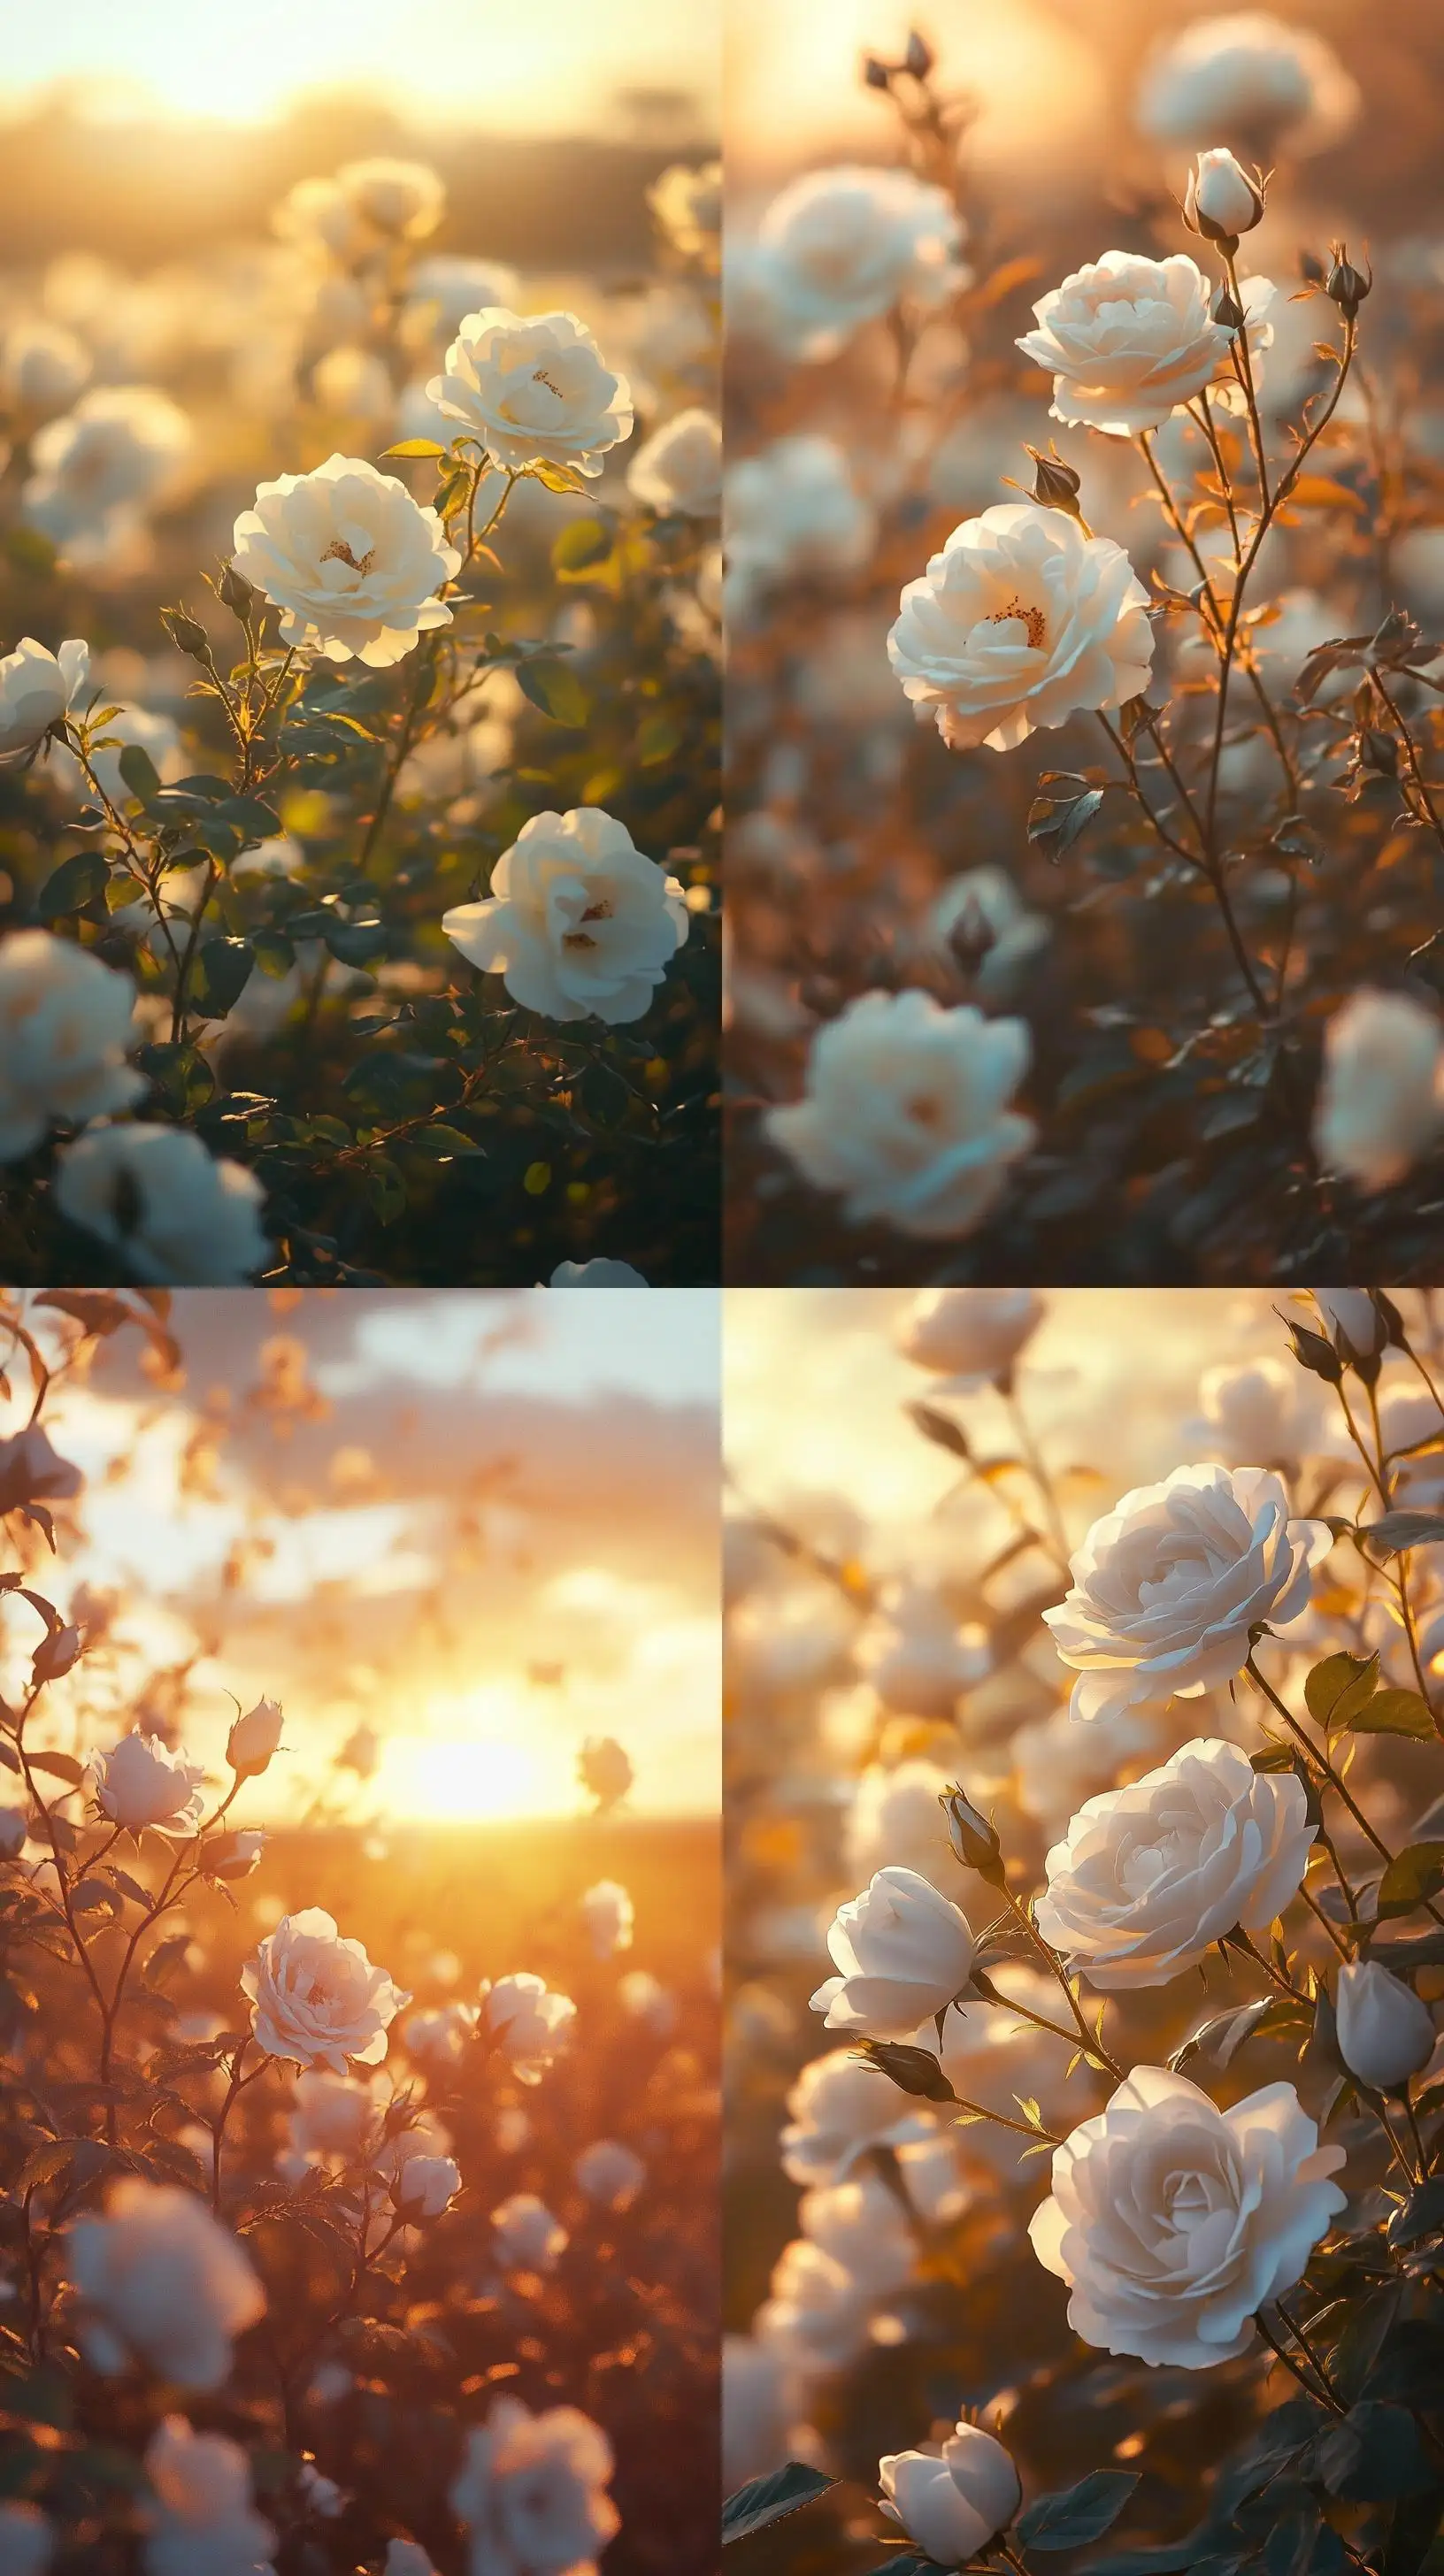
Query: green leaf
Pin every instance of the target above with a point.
(768, 2500)
(1397, 1531)
(139, 771)
(658, 737)
(1374, 2455)
(1411, 1878)
(586, 541)
(58, 1766)
(76, 882)
(1079, 2513)
(413, 447)
(181, 1077)
(273, 952)
(385, 1189)
(554, 687)
(220, 975)
(1396, 1712)
(1337, 1689)
(355, 942)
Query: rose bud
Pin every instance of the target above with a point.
(972, 1837)
(1222, 200)
(953, 2506)
(1056, 485)
(1385, 2033)
(1346, 285)
(253, 1739)
(425, 2186)
(236, 1855)
(58, 1652)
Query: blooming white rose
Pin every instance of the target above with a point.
(840, 247)
(533, 389)
(98, 464)
(954, 2505)
(38, 687)
(27, 2540)
(840, 2107)
(687, 205)
(578, 922)
(1167, 1585)
(903, 1951)
(160, 2278)
(203, 2523)
(425, 2186)
(42, 365)
(352, 561)
(32, 1471)
(906, 1112)
(1020, 621)
(530, 2025)
(610, 1918)
(141, 1782)
(1126, 340)
(599, 1273)
(1385, 2032)
(527, 2237)
(315, 1998)
(254, 1738)
(817, 2315)
(793, 512)
(1173, 2222)
(172, 1213)
(969, 1336)
(1258, 1413)
(609, 2173)
(861, 2225)
(1251, 77)
(1148, 1877)
(680, 466)
(1381, 1100)
(1222, 201)
(402, 198)
(532, 2493)
(65, 1024)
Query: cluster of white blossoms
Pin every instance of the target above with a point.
(579, 922)
(1267, 85)
(841, 247)
(532, 2493)
(97, 468)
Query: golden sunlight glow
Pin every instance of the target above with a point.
(466, 1780)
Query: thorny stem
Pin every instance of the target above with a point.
(1093, 2046)
(1243, 362)
(1411, 756)
(1334, 1778)
(1038, 1468)
(1321, 1918)
(219, 2130)
(1316, 2382)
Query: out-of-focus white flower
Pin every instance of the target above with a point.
(680, 466)
(1167, 1585)
(117, 450)
(315, 1998)
(980, 924)
(160, 2278)
(954, 2505)
(895, 1820)
(254, 1739)
(1222, 200)
(65, 1024)
(42, 365)
(903, 1952)
(319, 212)
(609, 2173)
(32, 1471)
(1385, 2032)
(793, 512)
(407, 2558)
(319, 2495)
(1126, 340)
(841, 247)
(840, 2107)
(14, 1827)
(970, 1336)
(862, 2226)
(335, 2115)
(27, 2540)
(817, 2315)
(531, 2025)
(141, 1782)
(446, 287)
(598, 1273)
(202, 2523)
(354, 384)
(353, 563)
(754, 2419)
(930, 2174)
(1020, 621)
(1257, 1413)
(425, 2186)
(1381, 1101)
(605, 1769)
(440, 2038)
(645, 1999)
(404, 199)
(916, 1656)
(1173, 2222)
(38, 687)
(527, 2237)
(1147, 1878)
(906, 1112)
(686, 203)
(1248, 76)
(159, 736)
(172, 1213)
(533, 388)
(234, 1856)
(610, 1918)
(1057, 1763)
(532, 2493)
(279, 856)
(578, 922)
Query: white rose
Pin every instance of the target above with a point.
(610, 1918)
(533, 389)
(599, 1273)
(235, 1855)
(952, 2506)
(1148, 1877)
(527, 2237)
(841, 247)
(354, 564)
(1258, 1413)
(172, 1214)
(27, 2540)
(42, 366)
(335, 2115)
(38, 687)
(1126, 340)
(1021, 621)
(159, 2277)
(97, 464)
(440, 2038)
(448, 286)
(792, 512)
(903, 1951)
(530, 2025)
(1222, 201)
(680, 466)
(65, 1024)
(1251, 77)
(862, 2226)
(205, 2525)
(425, 2186)
(578, 922)
(141, 1782)
(1173, 2222)
(532, 2493)
(1381, 1099)
(1352, 1314)
(817, 2315)
(254, 1738)
(687, 206)
(840, 2107)
(1167, 1585)
(407, 2558)
(32, 1471)
(609, 2173)
(915, 1654)
(315, 1998)
(969, 1336)
(895, 1821)
(402, 198)
(906, 1112)
(1385, 2033)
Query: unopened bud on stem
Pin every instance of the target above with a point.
(1346, 285)
(1223, 201)
(253, 1739)
(973, 1838)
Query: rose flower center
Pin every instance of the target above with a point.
(339, 552)
(1032, 618)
